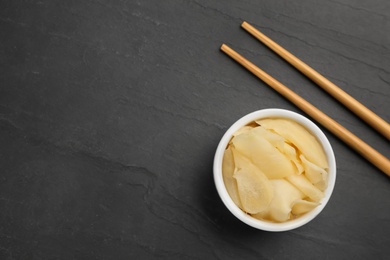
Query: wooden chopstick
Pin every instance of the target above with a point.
(355, 106)
(349, 138)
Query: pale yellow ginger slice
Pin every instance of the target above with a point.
(300, 137)
(315, 174)
(304, 185)
(291, 154)
(264, 215)
(242, 130)
(254, 189)
(275, 139)
(255, 194)
(322, 185)
(263, 154)
(285, 194)
(300, 207)
(279, 142)
(227, 173)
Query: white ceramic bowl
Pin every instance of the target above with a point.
(265, 225)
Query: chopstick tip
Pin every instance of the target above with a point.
(223, 47)
(246, 26)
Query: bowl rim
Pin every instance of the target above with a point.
(234, 209)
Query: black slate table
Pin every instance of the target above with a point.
(111, 111)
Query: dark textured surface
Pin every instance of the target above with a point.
(110, 113)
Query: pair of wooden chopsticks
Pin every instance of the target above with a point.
(349, 138)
